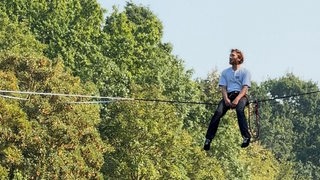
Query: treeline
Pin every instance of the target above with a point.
(69, 47)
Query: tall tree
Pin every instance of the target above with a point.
(64, 141)
(44, 137)
(136, 48)
(151, 143)
(70, 29)
(293, 132)
(17, 38)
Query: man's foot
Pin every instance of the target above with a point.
(207, 143)
(246, 142)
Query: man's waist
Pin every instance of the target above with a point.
(233, 94)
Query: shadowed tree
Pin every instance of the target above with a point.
(44, 136)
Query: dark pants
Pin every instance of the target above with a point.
(221, 111)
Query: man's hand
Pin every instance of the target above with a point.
(227, 102)
(235, 102)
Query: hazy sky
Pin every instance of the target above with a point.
(276, 36)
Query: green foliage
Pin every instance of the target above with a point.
(46, 137)
(16, 37)
(70, 29)
(208, 92)
(263, 165)
(135, 46)
(292, 129)
(151, 143)
(15, 131)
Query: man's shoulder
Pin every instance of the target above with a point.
(243, 69)
(227, 70)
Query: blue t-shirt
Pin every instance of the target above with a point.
(235, 80)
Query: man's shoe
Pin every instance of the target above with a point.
(245, 143)
(206, 146)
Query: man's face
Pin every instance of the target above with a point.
(234, 58)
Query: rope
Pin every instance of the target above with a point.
(91, 102)
(133, 99)
(256, 112)
(173, 101)
(113, 99)
(12, 97)
(102, 97)
(64, 95)
(286, 96)
(249, 119)
(255, 132)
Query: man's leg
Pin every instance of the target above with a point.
(214, 123)
(242, 121)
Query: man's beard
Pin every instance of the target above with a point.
(233, 62)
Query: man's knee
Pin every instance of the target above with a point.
(240, 109)
(217, 114)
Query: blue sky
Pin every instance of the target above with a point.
(277, 37)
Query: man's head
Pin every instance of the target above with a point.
(236, 57)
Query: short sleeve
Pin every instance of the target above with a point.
(223, 79)
(246, 79)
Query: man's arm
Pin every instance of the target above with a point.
(242, 93)
(225, 95)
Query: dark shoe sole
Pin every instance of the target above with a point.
(244, 145)
(206, 147)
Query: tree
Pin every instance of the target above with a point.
(135, 47)
(70, 30)
(292, 130)
(15, 130)
(16, 37)
(45, 137)
(151, 143)
(254, 162)
(260, 163)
